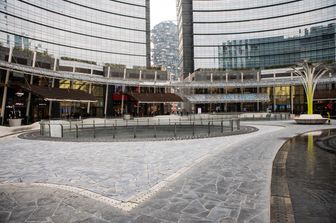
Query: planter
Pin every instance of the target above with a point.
(127, 117)
(15, 122)
(314, 119)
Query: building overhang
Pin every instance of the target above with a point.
(226, 98)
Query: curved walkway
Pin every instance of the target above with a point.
(225, 179)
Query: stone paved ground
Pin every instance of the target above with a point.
(226, 179)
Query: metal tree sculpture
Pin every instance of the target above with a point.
(309, 76)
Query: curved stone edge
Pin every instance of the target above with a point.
(125, 206)
(243, 130)
(281, 209)
(311, 121)
(135, 200)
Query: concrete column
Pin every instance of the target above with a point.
(225, 107)
(140, 75)
(292, 98)
(125, 71)
(258, 76)
(106, 91)
(122, 100)
(50, 102)
(90, 90)
(274, 99)
(89, 103)
(292, 94)
(4, 97)
(122, 95)
(29, 95)
(242, 90)
(258, 91)
(258, 103)
(52, 86)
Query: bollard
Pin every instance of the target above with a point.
(114, 130)
(94, 129)
(41, 129)
(222, 128)
(70, 125)
(49, 130)
(193, 129)
(238, 124)
(154, 131)
(231, 125)
(104, 123)
(82, 124)
(62, 135)
(76, 131)
(209, 128)
(175, 130)
(134, 132)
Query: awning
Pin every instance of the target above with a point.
(226, 98)
(155, 98)
(60, 94)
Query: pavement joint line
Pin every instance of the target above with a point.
(141, 197)
(16, 133)
(137, 199)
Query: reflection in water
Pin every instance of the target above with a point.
(310, 161)
(311, 177)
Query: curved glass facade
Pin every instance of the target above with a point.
(238, 34)
(101, 31)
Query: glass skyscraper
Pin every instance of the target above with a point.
(80, 37)
(239, 34)
(101, 31)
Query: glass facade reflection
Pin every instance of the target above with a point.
(103, 31)
(231, 34)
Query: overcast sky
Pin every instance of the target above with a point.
(162, 10)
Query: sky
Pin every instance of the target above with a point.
(162, 10)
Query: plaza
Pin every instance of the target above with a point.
(203, 127)
(221, 179)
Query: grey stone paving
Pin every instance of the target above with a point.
(117, 170)
(231, 185)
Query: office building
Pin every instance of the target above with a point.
(226, 40)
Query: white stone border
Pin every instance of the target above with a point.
(133, 201)
(139, 198)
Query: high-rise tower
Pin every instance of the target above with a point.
(105, 31)
(231, 34)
